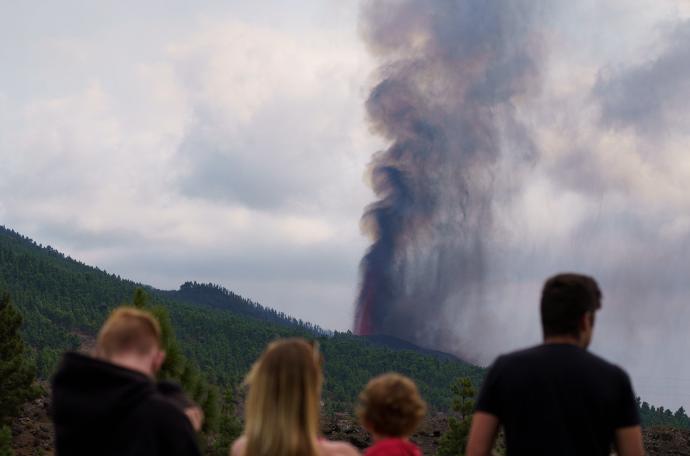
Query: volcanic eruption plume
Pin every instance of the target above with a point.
(450, 71)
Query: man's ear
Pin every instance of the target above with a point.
(586, 321)
(158, 361)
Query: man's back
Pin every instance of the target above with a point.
(100, 408)
(558, 399)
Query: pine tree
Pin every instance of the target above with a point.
(229, 426)
(454, 441)
(680, 414)
(5, 441)
(141, 299)
(174, 359)
(212, 410)
(16, 372)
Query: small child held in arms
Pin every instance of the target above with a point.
(390, 408)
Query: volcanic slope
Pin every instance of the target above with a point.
(64, 302)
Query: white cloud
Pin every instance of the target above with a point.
(273, 116)
(95, 166)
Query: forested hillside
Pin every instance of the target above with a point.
(212, 295)
(63, 301)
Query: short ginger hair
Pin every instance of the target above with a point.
(129, 330)
(390, 405)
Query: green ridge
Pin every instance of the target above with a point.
(63, 300)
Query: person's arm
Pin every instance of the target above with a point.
(628, 436)
(629, 441)
(487, 412)
(482, 434)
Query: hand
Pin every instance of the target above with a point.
(196, 417)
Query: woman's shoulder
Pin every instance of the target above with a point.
(238, 445)
(326, 447)
(329, 448)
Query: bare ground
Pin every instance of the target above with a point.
(32, 433)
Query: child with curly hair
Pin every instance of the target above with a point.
(390, 408)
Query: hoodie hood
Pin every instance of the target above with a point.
(90, 395)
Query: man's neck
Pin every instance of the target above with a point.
(132, 362)
(565, 339)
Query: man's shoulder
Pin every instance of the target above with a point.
(608, 371)
(558, 354)
(603, 363)
(158, 409)
(555, 350)
(519, 357)
(598, 364)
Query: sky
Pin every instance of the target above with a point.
(167, 142)
(227, 142)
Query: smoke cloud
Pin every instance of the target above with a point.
(650, 96)
(527, 139)
(449, 75)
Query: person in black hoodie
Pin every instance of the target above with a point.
(111, 404)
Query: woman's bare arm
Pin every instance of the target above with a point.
(337, 449)
(237, 448)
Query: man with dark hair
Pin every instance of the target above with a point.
(557, 398)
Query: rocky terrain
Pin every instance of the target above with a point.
(658, 441)
(342, 426)
(33, 433)
(667, 442)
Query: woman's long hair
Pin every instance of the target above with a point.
(282, 407)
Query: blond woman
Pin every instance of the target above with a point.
(282, 407)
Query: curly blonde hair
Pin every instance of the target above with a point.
(390, 405)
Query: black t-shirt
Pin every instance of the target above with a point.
(558, 399)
